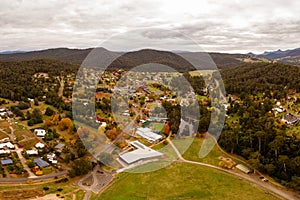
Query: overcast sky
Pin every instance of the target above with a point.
(224, 26)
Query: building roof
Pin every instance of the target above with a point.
(59, 146)
(7, 144)
(41, 163)
(290, 119)
(6, 162)
(141, 153)
(4, 151)
(39, 145)
(243, 168)
(40, 132)
(148, 134)
(32, 152)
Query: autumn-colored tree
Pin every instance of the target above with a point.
(65, 124)
(112, 134)
(55, 119)
(48, 123)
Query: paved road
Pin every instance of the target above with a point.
(267, 186)
(38, 178)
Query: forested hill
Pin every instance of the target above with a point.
(273, 79)
(76, 56)
(17, 77)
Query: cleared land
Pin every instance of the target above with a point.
(182, 181)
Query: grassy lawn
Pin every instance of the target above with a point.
(67, 188)
(5, 126)
(211, 158)
(21, 134)
(28, 144)
(69, 137)
(80, 194)
(158, 126)
(47, 170)
(181, 181)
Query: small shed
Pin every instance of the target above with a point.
(243, 168)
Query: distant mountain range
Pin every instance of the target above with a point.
(291, 56)
(222, 60)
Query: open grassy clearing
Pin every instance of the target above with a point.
(181, 181)
(23, 134)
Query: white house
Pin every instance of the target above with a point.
(4, 151)
(40, 132)
(7, 144)
(32, 152)
(39, 145)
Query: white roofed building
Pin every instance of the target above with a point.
(148, 134)
(40, 132)
(142, 153)
(7, 145)
(32, 152)
(39, 145)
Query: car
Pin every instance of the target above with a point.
(264, 180)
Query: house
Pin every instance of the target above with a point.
(4, 151)
(142, 153)
(40, 132)
(59, 147)
(41, 163)
(39, 145)
(6, 162)
(32, 152)
(51, 158)
(8, 145)
(290, 119)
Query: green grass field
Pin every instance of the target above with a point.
(181, 181)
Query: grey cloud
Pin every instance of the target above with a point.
(217, 26)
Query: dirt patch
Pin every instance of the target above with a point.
(20, 194)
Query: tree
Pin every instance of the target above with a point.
(80, 167)
(49, 111)
(259, 135)
(65, 124)
(36, 102)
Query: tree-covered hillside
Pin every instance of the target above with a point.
(273, 79)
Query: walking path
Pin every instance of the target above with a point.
(23, 161)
